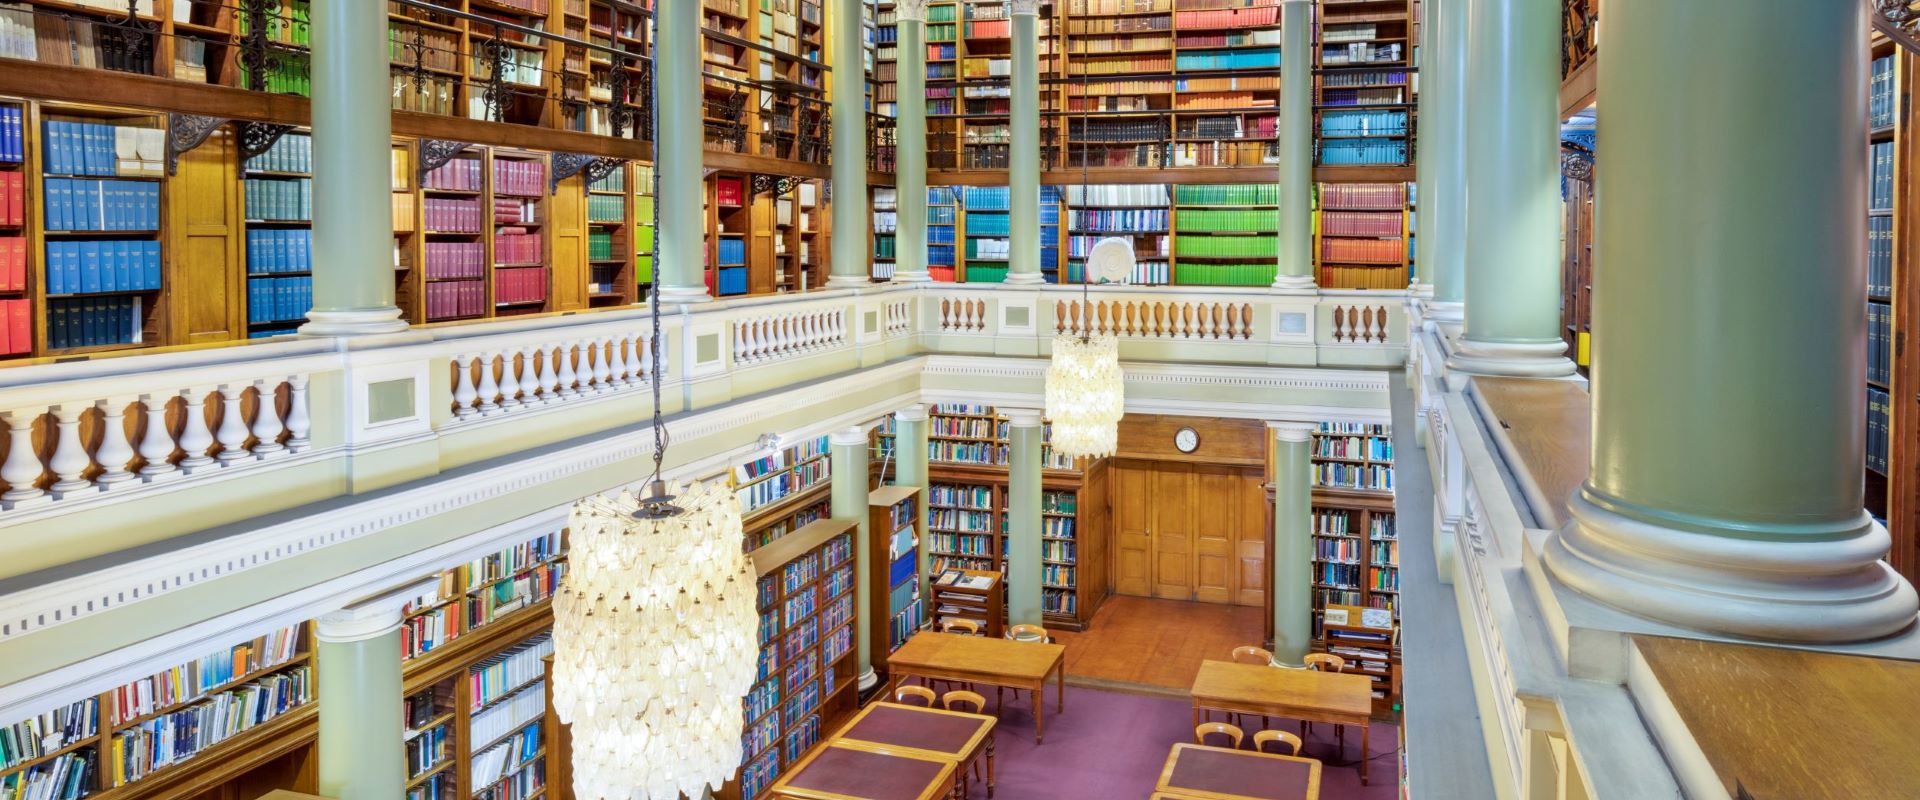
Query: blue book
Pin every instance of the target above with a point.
(153, 206)
(123, 258)
(93, 206)
(56, 201)
(152, 264)
(103, 156)
(253, 301)
(90, 267)
(278, 250)
(56, 157)
(88, 150)
(56, 277)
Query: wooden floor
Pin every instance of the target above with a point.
(1787, 723)
(1548, 422)
(1156, 644)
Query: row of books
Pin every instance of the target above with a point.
(48, 731)
(1059, 601)
(1880, 255)
(520, 178)
(1390, 277)
(946, 495)
(454, 299)
(189, 680)
(1256, 126)
(1880, 179)
(1354, 447)
(508, 596)
(1879, 429)
(1384, 553)
(506, 716)
(458, 175)
(182, 734)
(291, 153)
(1383, 579)
(1190, 220)
(1250, 58)
(104, 265)
(793, 481)
(1360, 53)
(1335, 549)
(455, 259)
(276, 250)
(511, 765)
(1362, 223)
(1372, 95)
(1227, 195)
(1337, 575)
(1058, 551)
(452, 215)
(1360, 78)
(960, 544)
(1143, 242)
(1258, 246)
(100, 149)
(68, 777)
(1350, 152)
(279, 199)
(606, 208)
(959, 520)
(1880, 103)
(1363, 123)
(1152, 194)
(1057, 527)
(1879, 342)
(428, 750)
(1230, 18)
(82, 204)
(1057, 576)
(13, 145)
(515, 211)
(1371, 477)
(81, 322)
(13, 199)
(278, 299)
(517, 247)
(423, 632)
(1362, 251)
(730, 251)
(508, 671)
(1333, 522)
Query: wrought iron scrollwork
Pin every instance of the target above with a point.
(417, 71)
(595, 168)
(185, 132)
(134, 38)
(1899, 20)
(1576, 161)
(735, 112)
(497, 95)
(620, 112)
(258, 137)
(435, 153)
(258, 58)
(777, 184)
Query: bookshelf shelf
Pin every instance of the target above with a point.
(1356, 545)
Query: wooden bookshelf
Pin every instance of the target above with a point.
(968, 501)
(806, 680)
(943, 228)
(984, 605)
(277, 202)
(1362, 235)
(898, 594)
(782, 491)
(1356, 543)
(886, 224)
(452, 676)
(518, 211)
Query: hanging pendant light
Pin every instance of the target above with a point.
(655, 630)
(1086, 391)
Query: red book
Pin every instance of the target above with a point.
(19, 327)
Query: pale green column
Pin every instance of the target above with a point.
(1728, 335)
(1295, 135)
(1513, 191)
(1026, 442)
(1023, 156)
(353, 282)
(1292, 567)
(852, 265)
(850, 492)
(357, 680)
(679, 148)
(910, 146)
(910, 455)
(1441, 238)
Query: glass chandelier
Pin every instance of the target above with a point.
(1086, 391)
(654, 628)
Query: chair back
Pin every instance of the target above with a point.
(907, 694)
(1027, 633)
(1325, 662)
(964, 697)
(966, 626)
(1289, 744)
(1205, 729)
(1248, 654)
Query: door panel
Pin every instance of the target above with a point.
(1173, 539)
(1250, 546)
(1132, 514)
(1215, 523)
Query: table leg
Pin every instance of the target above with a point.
(989, 765)
(1196, 714)
(1365, 754)
(1039, 709)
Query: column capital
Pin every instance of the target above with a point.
(1022, 417)
(912, 413)
(370, 617)
(848, 437)
(1288, 431)
(1029, 8)
(910, 10)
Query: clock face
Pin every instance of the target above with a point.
(1187, 440)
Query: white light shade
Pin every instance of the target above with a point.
(1086, 395)
(654, 628)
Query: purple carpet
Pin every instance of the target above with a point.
(1111, 746)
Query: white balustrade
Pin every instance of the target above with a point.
(1166, 319)
(58, 451)
(764, 338)
(899, 317)
(542, 375)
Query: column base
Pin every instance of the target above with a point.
(684, 295)
(1531, 360)
(1295, 284)
(353, 322)
(1787, 583)
(868, 680)
(1424, 291)
(1446, 311)
(912, 277)
(1025, 279)
(848, 281)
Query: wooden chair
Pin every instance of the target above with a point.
(1019, 633)
(904, 694)
(966, 626)
(1325, 662)
(1289, 742)
(1205, 729)
(962, 697)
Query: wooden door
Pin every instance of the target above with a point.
(1132, 519)
(1253, 528)
(1215, 523)
(1173, 531)
(205, 281)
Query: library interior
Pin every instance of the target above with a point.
(709, 399)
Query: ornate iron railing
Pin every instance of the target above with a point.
(1899, 20)
(1579, 39)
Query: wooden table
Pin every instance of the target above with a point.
(835, 771)
(1220, 773)
(978, 659)
(1310, 695)
(895, 728)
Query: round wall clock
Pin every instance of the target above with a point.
(1187, 440)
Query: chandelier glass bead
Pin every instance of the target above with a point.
(1086, 395)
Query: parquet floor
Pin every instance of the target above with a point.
(1156, 644)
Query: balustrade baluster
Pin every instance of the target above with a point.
(568, 379)
(156, 443)
(549, 377)
(196, 438)
(298, 422)
(22, 468)
(529, 378)
(510, 379)
(602, 364)
(463, 391)
(70, 459)
(233, 425)
(618, 369)
(266, 419)
(489, 389)
(115, 452)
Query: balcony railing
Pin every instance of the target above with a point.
(167, 428)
